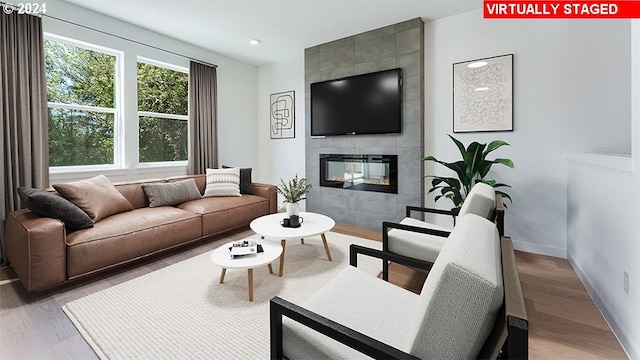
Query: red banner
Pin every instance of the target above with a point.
(497, 9)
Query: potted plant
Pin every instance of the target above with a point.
(473, 168)
(293, 192)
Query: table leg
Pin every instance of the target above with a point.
(283, 242)
(302, 241)
(270, 269)
(224, 271)
(250, 276)
(326, 247)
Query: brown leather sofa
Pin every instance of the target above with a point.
(44, 254)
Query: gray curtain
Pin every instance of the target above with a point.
(203, 113)
(24, 137)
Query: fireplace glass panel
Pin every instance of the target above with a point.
(360, 172)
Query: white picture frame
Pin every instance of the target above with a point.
(282, 115)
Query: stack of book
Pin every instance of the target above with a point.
(244, 248)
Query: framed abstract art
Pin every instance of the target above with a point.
(483, 94)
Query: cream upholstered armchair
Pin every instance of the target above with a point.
(357, 315)
(422, 240)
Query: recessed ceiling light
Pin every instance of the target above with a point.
(254, 41)
(482, 89)
(477, 64)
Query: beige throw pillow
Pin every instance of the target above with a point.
(96, 196)
(223, 182)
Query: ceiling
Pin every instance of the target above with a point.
(285, 27)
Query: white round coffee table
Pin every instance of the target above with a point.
(268, 226)
(221, 257)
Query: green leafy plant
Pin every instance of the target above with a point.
(294, 191)
(473, 168)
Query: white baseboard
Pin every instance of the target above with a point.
(623, 339)
(540, 249)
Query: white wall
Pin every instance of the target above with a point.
(280, 158)
(603, 227)
(571, 93)
(236, 87)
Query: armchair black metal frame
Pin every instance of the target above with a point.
(386, 226)
(509, 338)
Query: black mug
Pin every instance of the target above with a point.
(295, 220)
(285, 222)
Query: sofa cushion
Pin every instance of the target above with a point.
(223, 182)
(172, 193)
(127, 236)
(51, 205)
(245, 180)
(226, 213)
(96, 196)
(132, 191)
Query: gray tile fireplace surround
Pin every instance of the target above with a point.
(400, 45)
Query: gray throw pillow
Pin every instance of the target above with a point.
(51, 205)
(173, 193)
(245, 180)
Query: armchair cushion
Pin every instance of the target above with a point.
(420, 246)
(481, 201)
(462, 295)
(372, 307)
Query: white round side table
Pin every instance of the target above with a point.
(313, 224)
(222, 258)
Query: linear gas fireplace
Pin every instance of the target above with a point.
(360, 172)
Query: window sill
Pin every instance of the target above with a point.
(155, 166)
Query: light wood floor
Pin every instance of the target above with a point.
(564, 322)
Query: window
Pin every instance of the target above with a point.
(162, 112)
(83, 106)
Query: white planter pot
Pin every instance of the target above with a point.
(293, 209)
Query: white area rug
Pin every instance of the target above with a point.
(182, 312)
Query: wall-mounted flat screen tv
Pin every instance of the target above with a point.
(363, 104)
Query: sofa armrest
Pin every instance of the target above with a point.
(268, 192)
(353, 339)
(35, 247)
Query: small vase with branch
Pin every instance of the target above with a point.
(293, 192)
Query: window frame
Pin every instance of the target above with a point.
(117, 110)
(151, 164)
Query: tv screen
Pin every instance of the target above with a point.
(362, 104)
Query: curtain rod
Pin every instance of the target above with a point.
(120, 37)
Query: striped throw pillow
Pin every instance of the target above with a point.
(223, 182)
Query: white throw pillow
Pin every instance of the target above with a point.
(223, 182)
